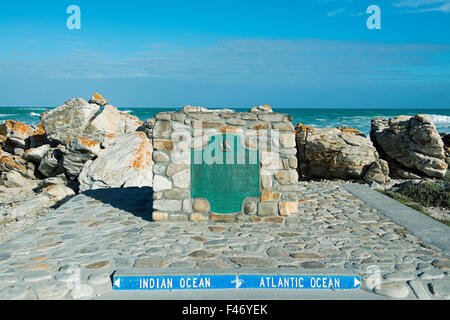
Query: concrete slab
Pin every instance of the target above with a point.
(431, 231)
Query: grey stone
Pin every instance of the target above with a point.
(159, 156)
(393, 290)
(443, 264)
(276, 252)
(419, 290)
(267, 209)
(251, 262)
(150, 262)
(161, 130)
(441, 287)
(272, 117)
(82, 291)
(167, 205)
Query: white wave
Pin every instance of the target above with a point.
(437, 118)
(4, 115)
(126, 111)
(34, 114)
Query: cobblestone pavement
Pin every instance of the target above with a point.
(72, 252)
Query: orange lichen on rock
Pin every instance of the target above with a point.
(133, 118)
(98, 96)
(39, 130)
(89, 142)
(50, 187)
(18, 128)
(349, 129)
(142, 154)
(111, 136)
(303, 128)
(9, 163)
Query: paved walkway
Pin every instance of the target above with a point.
(72, 252)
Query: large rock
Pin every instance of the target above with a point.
(264, 108)
(35, 155)
(107, 122)
(147, 127)
(131, 123)
(16, 133)
(69, 120)
(78, 152)
(98, 99)
(110, 121)
(126, 162)
(328, 153)
(9, 162)
(378, 172)
(411, 146)
(51, 163)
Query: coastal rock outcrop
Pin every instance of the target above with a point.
(147, 127)
(110, 121)
(78, 152)
(126, 162)
(92, 144)
(16, 133)
(97, 98)
(69, 120)
(264, 108)
(342, 153)
(411, 146)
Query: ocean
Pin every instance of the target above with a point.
(356, 118)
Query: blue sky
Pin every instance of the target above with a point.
(289, 54)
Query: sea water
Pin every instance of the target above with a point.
(356, 118)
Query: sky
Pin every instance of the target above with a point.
(238, 54)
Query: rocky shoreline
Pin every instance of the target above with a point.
(87, 145)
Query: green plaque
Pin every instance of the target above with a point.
(225, 172)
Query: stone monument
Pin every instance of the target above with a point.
(222, 165)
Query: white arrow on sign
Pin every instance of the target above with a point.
(117, 283)
(356, 282)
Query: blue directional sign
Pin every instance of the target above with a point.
(205, 282)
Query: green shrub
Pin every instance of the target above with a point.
(436, 194)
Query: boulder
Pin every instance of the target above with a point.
(147, 127)
(131, 123)
(16, 133)
(35, 155)
(98, 99)
(38, 138)
(78, 152)
(264, 108)
(126, 162)
(108, 121)
(411, 146)
(69, 120)
(9, 162)
(188, 109)
(378, 172)
(333, 153)
(111, 121)
(14, 179)
(51, 163)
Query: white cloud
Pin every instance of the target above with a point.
(335, 12)
(308, 62)
(424, 5)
